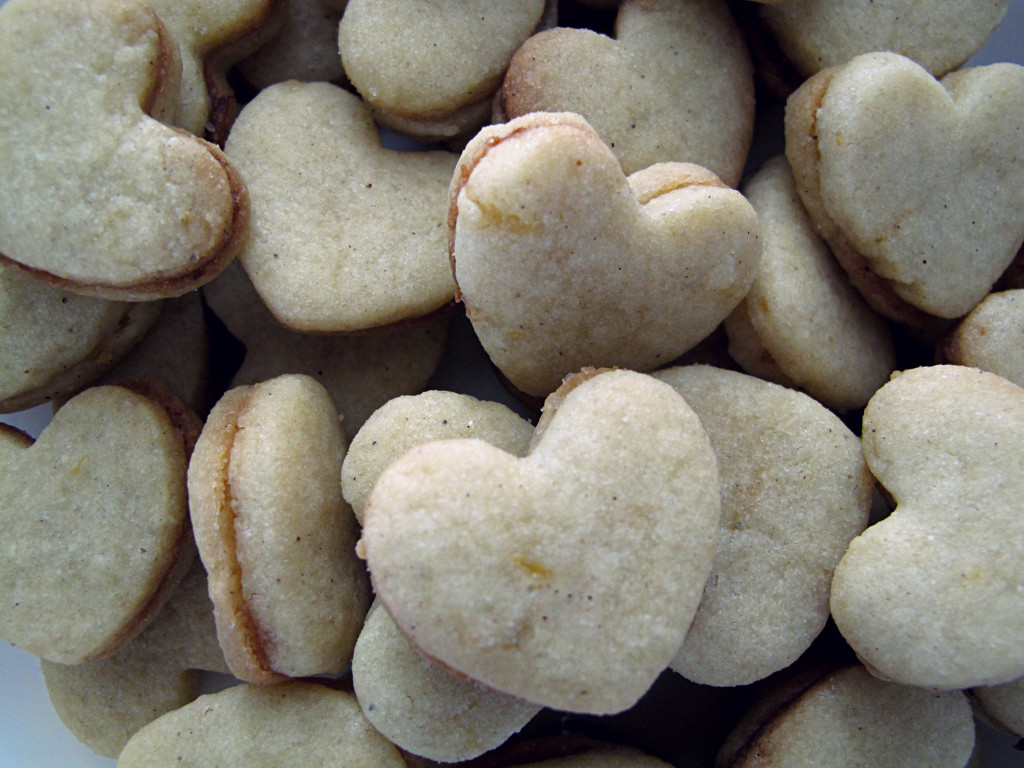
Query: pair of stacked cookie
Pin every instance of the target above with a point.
(690, 518)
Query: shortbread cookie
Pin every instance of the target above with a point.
(405, 422)
(929, 596)
(424, 708)
(430, 68)
(806, 316)
(540, 211)
(847, 717)
(610, 756)
(211, 37)
(991, 337)
(923, 213)
(114, 203)
(570, 576)
(104, 702)
(795, 491)
(96, 528)
(274, 532)
(304, 47)
(940, 35)
(56, 342)
(360, 371)
(674, 85)
(292, 725)
(345, 235)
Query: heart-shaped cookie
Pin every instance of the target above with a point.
(916, 184)
(345, 235)
(570, 576)
(562, 262)
(675, 84)
(96, 194)
(429, 68)
(96, 528)
(933, 595)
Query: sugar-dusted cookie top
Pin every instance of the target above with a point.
(405, 422)
(939, 34)
(291, 725)
(424, 708)
(274, 532)
(345, 235)
(55, 342)
(360, 371)
(96, 527)
(570, 576)
(564, 262)
(931, 595)
(674, 85)
(847, 717)
(795, 491)
(429, 68)
(806, 317)
(991, 337)
(110, 201)
(916, 184)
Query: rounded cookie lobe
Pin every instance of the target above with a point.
(116, 204)
(424, 708)
(274, 532)
(292, 725)
(568, 577)
(932, 595)
(405, 422)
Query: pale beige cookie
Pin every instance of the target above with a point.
(113, 203)
(211, 37)
(104, 702)
(345, 235)
(361, 371)
(931, 595)
(405, 422)
(424, 708)
(847, 717)
(674, 85)
(939, 34)
(564, 262)
(274, 532)
(991, 337)
(304, 47)
(96, 528)
(1001, 705)
(430, 68)
(804, 314)
(610, 756)
(922, 212)
(795, 491)
(56, 342)
(175, 352)
(570, 576)
(292, 725)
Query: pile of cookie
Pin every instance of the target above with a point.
(578, 424)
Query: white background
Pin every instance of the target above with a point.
(31, 735)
